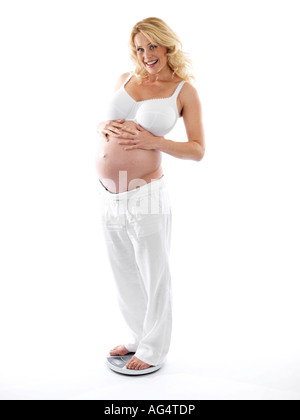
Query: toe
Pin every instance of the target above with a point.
(133, 363)
(119, 351)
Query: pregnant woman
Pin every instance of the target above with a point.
(135, 205)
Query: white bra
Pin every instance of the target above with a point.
(158, 115)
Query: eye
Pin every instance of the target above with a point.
(154, 46)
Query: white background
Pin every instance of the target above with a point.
(235, 245)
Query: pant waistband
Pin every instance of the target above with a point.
(142, 191)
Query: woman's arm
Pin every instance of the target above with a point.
(194, 148)
(190, 150)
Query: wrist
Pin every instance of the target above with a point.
(160, 141)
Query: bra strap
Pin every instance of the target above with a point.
(128, 78)
(178, 89)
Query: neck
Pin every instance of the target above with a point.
(165, 75)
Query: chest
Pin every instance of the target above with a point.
(145, 92)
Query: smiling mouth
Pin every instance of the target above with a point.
(151, 63)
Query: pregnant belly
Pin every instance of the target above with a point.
(122, 170)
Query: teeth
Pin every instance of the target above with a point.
(152, 62)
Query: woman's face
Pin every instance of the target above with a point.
(147, 52)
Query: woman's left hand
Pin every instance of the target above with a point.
(138, 138)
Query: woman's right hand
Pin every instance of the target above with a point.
(109, 128)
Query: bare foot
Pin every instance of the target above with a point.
(135, 363)
(119, 351)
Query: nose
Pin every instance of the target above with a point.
(147, 58)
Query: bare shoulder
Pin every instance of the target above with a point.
(188, 92)
(121, 80)
(188, 97)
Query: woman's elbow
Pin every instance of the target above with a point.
(200, 152)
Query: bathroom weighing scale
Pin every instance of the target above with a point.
(118, 364)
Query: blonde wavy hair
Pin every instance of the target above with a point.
(157, 31)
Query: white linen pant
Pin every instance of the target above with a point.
(137, 231)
